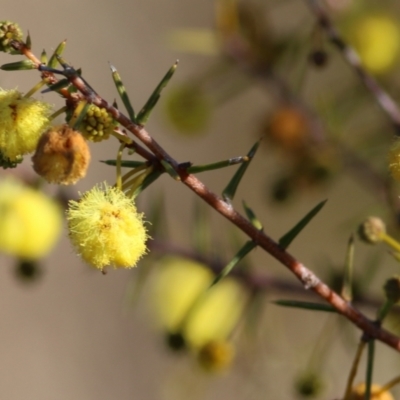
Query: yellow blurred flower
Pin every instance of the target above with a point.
(376, 38)
(177, 285)
(23, 120)
(358, 392)
(106, 229)
(30, 222)
(216, 355)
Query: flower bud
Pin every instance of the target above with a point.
(97, 124)
(372, 230)
(62, 156)
(9, 31)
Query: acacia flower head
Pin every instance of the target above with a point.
(62, 155)
(106, 229)
(23, 120)
(372, 230)
(98, 124)
(9, 31)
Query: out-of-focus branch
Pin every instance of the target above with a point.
(388, 105)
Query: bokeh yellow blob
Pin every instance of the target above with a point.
(179, 294)
(30, 222)
(377, 40)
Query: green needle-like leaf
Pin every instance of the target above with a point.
(370, 368)
(252, 216)
(57, 52)
(22, 65)
(28, 42)
(43, 57)
(286, 239)
(124, 163)
(145, 112)
(195, 169)
(305, 305)
(122, 93)
(168, 168)
(250, 245)
(82, 110)
(347, 287)
(61, 84)
(147, 181)
(230, 190)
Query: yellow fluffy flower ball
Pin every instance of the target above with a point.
(30, 222)
(178, 283)
(23, 120)
(106, 229)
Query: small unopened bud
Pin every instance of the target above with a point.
(97, 125)
(392, 289)
(62, 156)
(216, 355)
(372, 230)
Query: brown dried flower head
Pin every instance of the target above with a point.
(62, 155)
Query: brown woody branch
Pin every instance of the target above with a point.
(307, 278)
